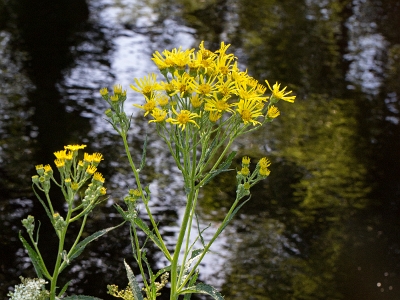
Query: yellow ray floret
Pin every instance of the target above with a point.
(280, 94)
(183, 118)
(249, 110)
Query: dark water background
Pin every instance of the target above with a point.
(325, 225)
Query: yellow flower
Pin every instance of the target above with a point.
(87, 157)
(103, 191)
(182, 84)
(226, 87)
(59, 163)
(264, 171)
(180, 58)
(97, 157)
(249, 110)
(245, 171)
(204, 86)
(280, 94)
(264, 163)
(91, 169)
(273, 112)
(219, 105)
(98, 177)
(245, 160)
(47, 168)
(146, 85)
(196, 101)
(183, 117)
(74, 147)
(117, 89)
(214, 116)
(148, 106)
(162, 99)
(104, 91)
(39, 167)
(162, 62)
(158, 115)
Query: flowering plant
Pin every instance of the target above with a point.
(202, 105)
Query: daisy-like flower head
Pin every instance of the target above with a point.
(87, 157)
(278, 94)
(162, 61)
(98, 177)
(180, 58)
(183, 118)
(204, 86)
(264, 163)
(158, 115)
(273, 112)
(226, 86)
(149, 106)
(97, 157)
(104, 91)
(74, 147)
(182, 83)
(60, 163)
(146, 85)
(245, 160)
(91, 169)
(218, 104)
(249, 110)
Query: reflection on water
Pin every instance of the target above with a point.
(325, 223)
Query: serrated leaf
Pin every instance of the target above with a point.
(80, 297)
(81, 245)
(137, 293)
(38, 264)
(202, 288)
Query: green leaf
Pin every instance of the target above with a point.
(80, 297)
(192, 281)
(223, 167)
(202, 288)
(77, 250)
(139, 222)
(64, 288)
(137, 293)
(49, 214)
(232, 215)
(38, 264)
(162, 271)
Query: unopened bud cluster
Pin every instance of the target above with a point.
(246, 179)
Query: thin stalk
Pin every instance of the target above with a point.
(135, 172)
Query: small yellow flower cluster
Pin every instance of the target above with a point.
(204, 85)
(246, 180)
(74, 173)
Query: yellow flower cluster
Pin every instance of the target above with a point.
(73, 173)
(199, 87)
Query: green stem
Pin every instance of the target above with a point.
(191, 200)
(56, 271)
(136, 174)
(208, 246)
